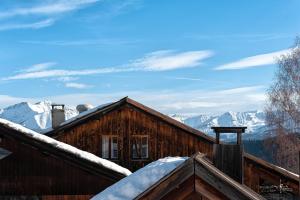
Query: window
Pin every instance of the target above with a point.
(4, 153)
(139, 147)
(110, 147)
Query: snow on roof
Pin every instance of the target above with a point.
(65, 147)
(130, 187)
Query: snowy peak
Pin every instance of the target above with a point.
(253, 120)
(33, 116)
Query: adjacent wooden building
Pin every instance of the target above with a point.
(198, 178)
(34, 166)
(132, 135)
(179, 178)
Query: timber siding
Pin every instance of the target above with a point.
(29, 171)
(127, 121)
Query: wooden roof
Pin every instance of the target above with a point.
(110, 107)
(231, 129)
(199, 166)
(71, 157)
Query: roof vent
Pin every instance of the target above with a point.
(83, 107)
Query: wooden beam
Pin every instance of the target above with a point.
(239, 138)
(229, 129)
(206, 191)
(217, 137)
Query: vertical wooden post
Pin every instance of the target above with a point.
(239, 138)
(217, 137)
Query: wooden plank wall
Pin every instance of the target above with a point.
(229, 159)
(27, 171)
(164, 139)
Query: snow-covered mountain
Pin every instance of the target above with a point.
(38, 117)
(33, 116)
(253, 120)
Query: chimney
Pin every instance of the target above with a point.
(57, 114)
(229, 157)
(83, 107)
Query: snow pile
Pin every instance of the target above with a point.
(65, 147)
(130, 187)
(33, 116)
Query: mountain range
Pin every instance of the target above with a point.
(253, 120)
(38, 118)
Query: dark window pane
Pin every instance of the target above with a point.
(144, 149)
(4, 153)
(135, 148)
(105, 146)
(114, 147)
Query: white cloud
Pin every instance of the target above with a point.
(6, 100)
(35, 25)
(253, 61)
(168, 60)
(39, 67)
(207, 101)
(50, 8)
(245, 37)
(156, 61)
(55, 7)
(77, 85)
(240, 90)
(62, 73)
(67, 79)
(82, 42)
(186, 78)
(183, 102)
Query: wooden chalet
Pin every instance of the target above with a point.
(133, 135)
(34, 166)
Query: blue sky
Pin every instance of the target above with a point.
(176, 56)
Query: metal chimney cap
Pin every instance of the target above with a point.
(55, 106)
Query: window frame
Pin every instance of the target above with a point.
(138, 140)
(110, 146)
